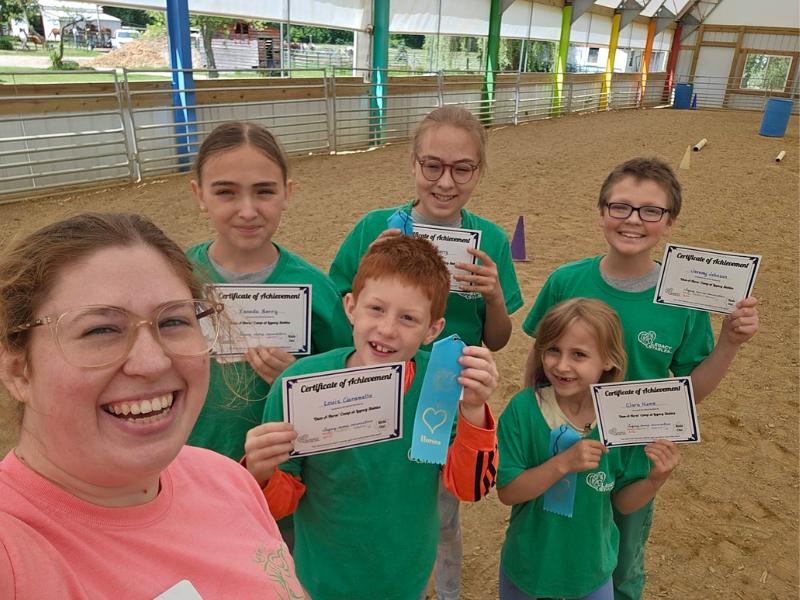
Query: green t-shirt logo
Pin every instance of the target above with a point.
(597, 481)
(648, 340)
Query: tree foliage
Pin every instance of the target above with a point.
(207, 26)
(16, 9)
(319, 35)
(766, 72)
(396, 40)
(130, 17)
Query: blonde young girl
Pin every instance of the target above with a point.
(546, 554)
(447, 161)
(242, 183)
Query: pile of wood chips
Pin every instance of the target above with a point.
(141, 53)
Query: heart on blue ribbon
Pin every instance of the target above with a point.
(438, 403)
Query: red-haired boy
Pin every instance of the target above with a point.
(366, 521)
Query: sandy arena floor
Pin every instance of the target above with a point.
(726, 524)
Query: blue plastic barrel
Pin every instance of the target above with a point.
(776, 117)
(683, 95)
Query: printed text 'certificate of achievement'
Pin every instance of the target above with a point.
(705, 279)
(344, 408)
(277, 316)
(452, 244)
(634, 413)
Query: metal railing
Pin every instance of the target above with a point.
(61, 143)
(127, 126)
(296, 111)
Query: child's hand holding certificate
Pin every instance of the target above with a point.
(705, 279)
(635, 413)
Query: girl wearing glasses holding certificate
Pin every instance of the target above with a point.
(105, 338)
(447, 160)
(555, 473)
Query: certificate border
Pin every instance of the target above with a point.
(397, 433)
(694, 436)
(755, 259)
(475, 234)
(304, 288)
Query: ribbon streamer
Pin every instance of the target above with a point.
(560, 497)
(438, 402)
(401, 220)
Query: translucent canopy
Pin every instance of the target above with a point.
(650, 6)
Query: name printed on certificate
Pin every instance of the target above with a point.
(634, 413)
(703, 279)
(345, 408)
(277, 316)
(452, 244)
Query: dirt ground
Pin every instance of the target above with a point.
(726, 524)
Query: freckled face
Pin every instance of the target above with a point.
(391, 320)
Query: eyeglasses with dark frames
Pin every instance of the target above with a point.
(648, 214)
(433, 169)
(98, 335)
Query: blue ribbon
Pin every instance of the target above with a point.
(401, 220)
(438, 402)
(560, 497)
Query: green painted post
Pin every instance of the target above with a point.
(561, 61)
(490, 65)
(380, 73)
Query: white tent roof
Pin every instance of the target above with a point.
(468, 17)
(764, 13)
(650, 6)
(90, 12)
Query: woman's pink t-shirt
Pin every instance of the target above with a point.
(208, 525)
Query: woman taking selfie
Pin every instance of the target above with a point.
(104, 342)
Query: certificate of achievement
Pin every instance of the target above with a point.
(705, 279)
(634, 413)
(278, 316)
(344, 408)
(452, 244)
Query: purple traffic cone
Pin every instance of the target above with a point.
(518, 252)
(694, 102)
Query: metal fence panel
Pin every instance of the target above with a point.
(295, 109)
(91, 133)
(75, 138)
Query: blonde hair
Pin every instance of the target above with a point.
(458, 117)
(601, 319)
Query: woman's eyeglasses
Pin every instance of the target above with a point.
(99, 335)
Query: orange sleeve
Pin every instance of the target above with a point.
(283, 492)
(471, 467)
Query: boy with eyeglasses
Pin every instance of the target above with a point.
(639, 202)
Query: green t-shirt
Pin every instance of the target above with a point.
(236, 395)
(658, 338)
(465, 314)
(546, 554)
(367, 525)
